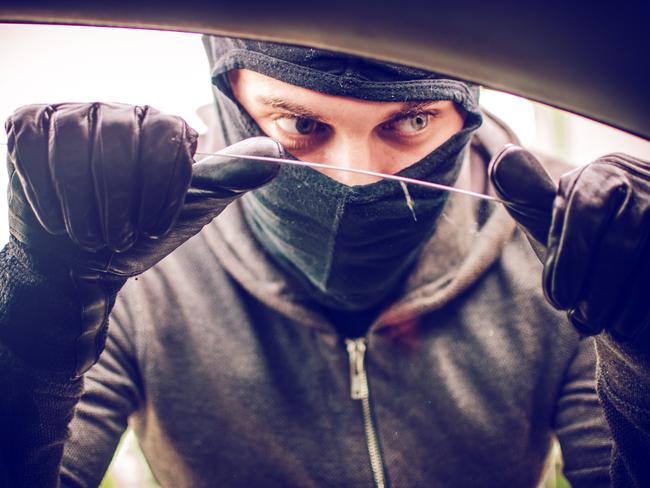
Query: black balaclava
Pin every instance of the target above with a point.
(351, 246)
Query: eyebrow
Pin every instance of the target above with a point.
(412, 108)
(291, 107)
(416, 106)
(305, 112)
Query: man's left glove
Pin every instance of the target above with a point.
(595, 228)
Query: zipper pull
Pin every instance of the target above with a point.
(358, 379)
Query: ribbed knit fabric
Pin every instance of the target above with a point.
(38, 321)
(39, 325)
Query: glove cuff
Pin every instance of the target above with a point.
(96, 298)
(50, 318)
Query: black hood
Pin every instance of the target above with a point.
(351, 247)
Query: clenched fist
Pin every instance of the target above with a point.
(106, 187)
(595, 230)
(108, 190)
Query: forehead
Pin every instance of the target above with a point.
(263, 90)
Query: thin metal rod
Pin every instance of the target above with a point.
(310, 164)
(385, 176)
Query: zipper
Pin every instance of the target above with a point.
(359, 390)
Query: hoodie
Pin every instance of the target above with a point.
(230, 375)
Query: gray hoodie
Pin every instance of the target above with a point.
(230, 376)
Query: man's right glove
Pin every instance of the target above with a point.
(107, 191)
(595, 229)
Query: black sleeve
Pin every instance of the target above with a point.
(624, 391)
(40, 320)
(37, 409)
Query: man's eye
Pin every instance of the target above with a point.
(298, 125)
(411, 124)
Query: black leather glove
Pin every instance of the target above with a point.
(595, 231)
(108, 190)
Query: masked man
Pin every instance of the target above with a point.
(328, 329)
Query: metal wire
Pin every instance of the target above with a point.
(385, 176)
(377, 174)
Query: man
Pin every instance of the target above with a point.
(326, 329)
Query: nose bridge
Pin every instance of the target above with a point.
(353, 152)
